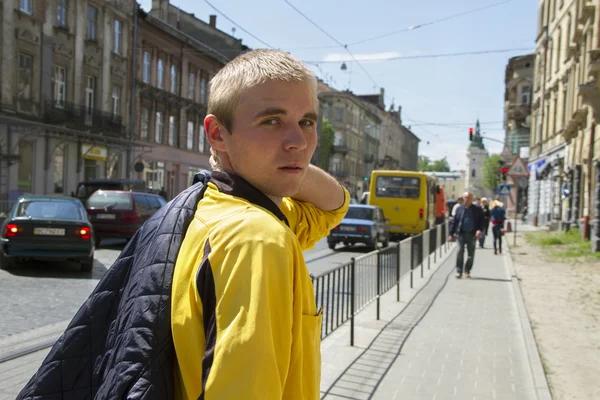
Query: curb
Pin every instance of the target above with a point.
(540, 381)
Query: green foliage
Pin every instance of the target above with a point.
(563, 245)
(428, 165)
(326, 144)
(491, 178)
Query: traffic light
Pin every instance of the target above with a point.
(470, 134)
(504, 171)
(366, 178)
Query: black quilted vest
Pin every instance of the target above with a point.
(119, 344)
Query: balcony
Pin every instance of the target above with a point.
(79, 117)
(518, 111)
(594, 64)
(340, 149)
(369, 158)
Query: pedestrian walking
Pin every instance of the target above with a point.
(212, 298)
(486, 220)
(466, 227)
(459, 202)
(498, 214)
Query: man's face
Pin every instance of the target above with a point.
(468, 199)
(273, 138)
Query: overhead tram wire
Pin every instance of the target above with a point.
(438, 55)
(345, 46)
(412, 27)
(238, 25)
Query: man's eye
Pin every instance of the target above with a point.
(271, 121)
(307, 122)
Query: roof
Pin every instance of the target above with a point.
(48, 197)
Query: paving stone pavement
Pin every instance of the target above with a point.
(457, 339)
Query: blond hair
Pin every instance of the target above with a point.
(246, 71)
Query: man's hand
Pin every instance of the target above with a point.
(478, 234)
(321, 190)
(451, 238)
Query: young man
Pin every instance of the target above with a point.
(468, 225)
(244, 320)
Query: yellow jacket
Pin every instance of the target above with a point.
(244, 319)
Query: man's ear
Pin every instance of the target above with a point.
(215, 132)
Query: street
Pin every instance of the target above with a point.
(38, 294)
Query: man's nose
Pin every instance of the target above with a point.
(295, 138)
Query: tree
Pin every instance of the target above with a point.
(427, 165)
(326, 144)
(490, 171)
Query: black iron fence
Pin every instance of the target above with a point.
(346, 290)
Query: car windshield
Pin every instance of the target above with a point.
(110, 200)
(62, 210)
(360, 213)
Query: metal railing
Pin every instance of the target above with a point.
(345, 291)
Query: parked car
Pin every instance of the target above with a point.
(87, 188)
(119, 214)
(44, 228)
(362, 224)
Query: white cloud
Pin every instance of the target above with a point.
(334, 57)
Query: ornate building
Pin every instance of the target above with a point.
(476, 155)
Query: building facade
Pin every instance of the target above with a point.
(565, 112)
(172, 75)
(518, 90)
(476, 156)
(64, 94)
(453, 183)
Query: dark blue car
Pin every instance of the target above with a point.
(362, 224)
(47, 228)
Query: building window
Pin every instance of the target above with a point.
(59, 172)
(558, 50)
(25, 76)
(564, 104)
(60, 83)
(158, 135)
(117, 36)
(339, 114)
(192, 86)
(159, 73)
(61, 13)
(201, 138)
(90, 90)
(26, 164)
(190, 135)
(173, 79)
(146, 68)
(526, 94)
(25, 6)
(116, 102)
(203, 90)
(473, 173)
(92, 19)
(172, 130)
(145, 122)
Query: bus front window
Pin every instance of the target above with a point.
(398, 187)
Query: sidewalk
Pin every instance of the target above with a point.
(448, 338)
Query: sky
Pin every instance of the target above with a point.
(454, 90)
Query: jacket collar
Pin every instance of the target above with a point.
(237, 186)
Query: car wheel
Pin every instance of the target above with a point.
(332, 246)
(87, 264)
(6, 263)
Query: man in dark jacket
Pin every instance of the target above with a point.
(467, 225)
